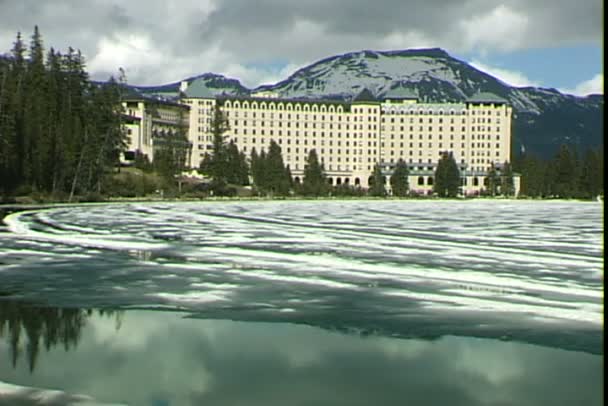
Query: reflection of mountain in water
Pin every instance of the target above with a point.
(28, 328)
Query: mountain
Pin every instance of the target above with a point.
(544, 118)
(218, 84)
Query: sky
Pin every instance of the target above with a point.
(545, 43)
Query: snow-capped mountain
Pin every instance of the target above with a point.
(218, 84)
(545, 118)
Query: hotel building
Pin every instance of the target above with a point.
(350, 138)
(151, 123)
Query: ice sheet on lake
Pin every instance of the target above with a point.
(21, 395)
(518, 261)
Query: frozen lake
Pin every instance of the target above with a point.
(401, 283)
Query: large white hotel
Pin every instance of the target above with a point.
(350, 138)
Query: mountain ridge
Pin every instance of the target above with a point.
(544, 119)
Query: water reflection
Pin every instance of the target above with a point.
(26, 328)
(168, 358)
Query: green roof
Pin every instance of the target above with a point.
(199, 90)
(486, 97)
(400, 93)
(365, 96)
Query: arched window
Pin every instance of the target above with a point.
(254, 105)
(475, 181)
(420, 180)
(228, 104)
(429, 181)
(237, 105)
(245, 105)
(357, 181)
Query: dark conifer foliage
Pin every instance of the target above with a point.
(314, 182)
(492, 182)
(376, 184)
(60, 135)
(399, 179)
(564, 176)
(225, 165)
(447, 176)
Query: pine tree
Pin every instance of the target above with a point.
(507, 187)
(278, 179)
(254, 164)
(532, 171)
(399, 179)
(592, 174)
(36, 143)
(565, 177)
(492, 181)
(376, 187)
(56, 131)
(447, 176)
(314, 182)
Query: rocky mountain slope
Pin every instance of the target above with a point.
(544, 119)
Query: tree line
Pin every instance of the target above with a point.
(60, 133)
(568, 175)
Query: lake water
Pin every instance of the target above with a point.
(303, 303)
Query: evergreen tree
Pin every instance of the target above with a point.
(254, 164)
(507, 187)
(35, 141)
(56, 130)
(592, 174)
(314, 182)
(12, 74)
(447, 176)
(277, 180)
(236, 166)
(399, 179)
(376, 187)
(564, 173)
(533, 172)
(492, 181)
(215, 165)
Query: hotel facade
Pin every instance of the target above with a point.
(351, 138)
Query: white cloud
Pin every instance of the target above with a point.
(595, 85)
(498, 29)
(131, 51)
(160, 41)
(510, 77)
